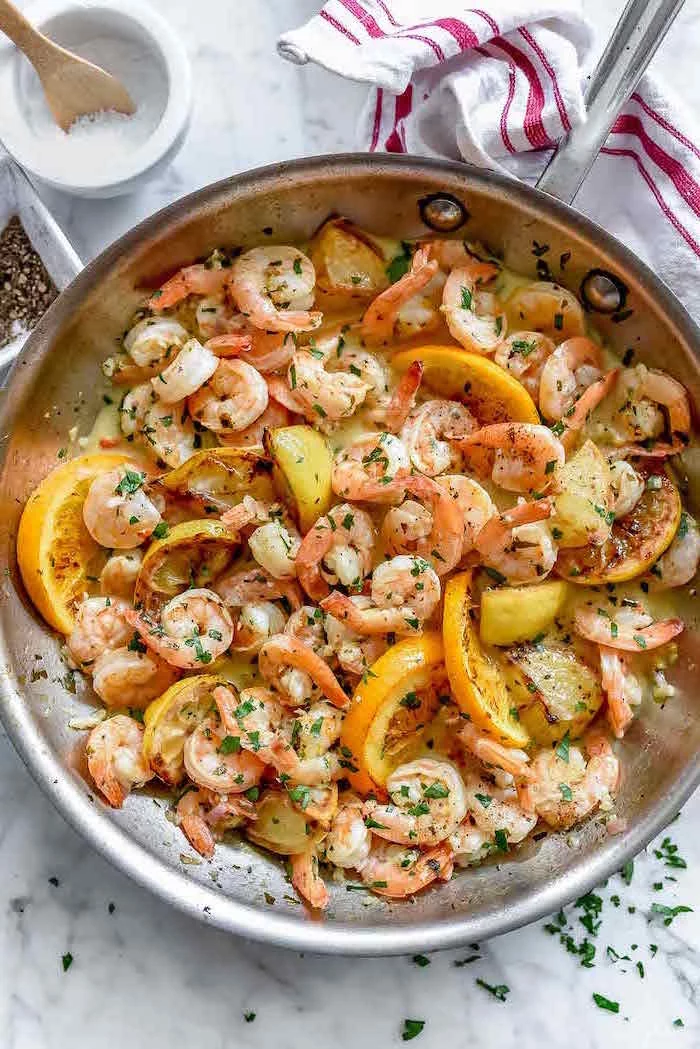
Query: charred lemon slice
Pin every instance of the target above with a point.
(636, 540)
(554, 690)
(220, 477)
(171, 718)
(397, 698)
(490, 392)
(477, 680)
(302, 471)
(191, 554)
(56, 554)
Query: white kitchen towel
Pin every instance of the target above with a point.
(498, 86)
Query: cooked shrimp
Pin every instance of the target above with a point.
(443, 545)
(493, 808)
(405, 526)
(549, 308)
(115, 759)
(430, 431)
(396, 871)
(234, 397)
(569, 370)
(274, 288)
(365, 464)
(274, 416)
(318, 803)
(195, 628)
(307, 626)
(405, 592)
(200, 812)
(190, 819)
(526, 455)
(578, 414)
(258, 720)
(491, 753)
(523, 354)
(118, 577)
(154, 340)
(564, 791)
(475, 505)
(337, 550)
(167, 432)
(193, 366)
(476, 330)
(348, 842)
(100, 626)
(456, 254)
(627, 487)
(622, 689)
(381, 316)
(307, 880)
(285, 651)
(630, 629)
(117, 512)
(208, 278)
(266, 351)
(129, 677)
(328, 395)
(275, 546)
(314, 731)
(517, 544)
(243, 586)
(354, 653)
(256, 622)
(133, 409)
(218, 762)
(680, 562)
(428, 803)
(215, 316)
(394, 412)
(652, 402)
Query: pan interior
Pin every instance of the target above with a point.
(57, 385)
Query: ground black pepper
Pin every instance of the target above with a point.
(26, 289)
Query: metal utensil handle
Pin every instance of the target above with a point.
(641, 28)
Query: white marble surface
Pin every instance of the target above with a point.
(143, 974)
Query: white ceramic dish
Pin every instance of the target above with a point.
(75, 25)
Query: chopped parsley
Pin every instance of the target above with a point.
(562, 748)
(130, 483)
(605, 1003)
(230, 745)
(411, 1029)
(499, 991)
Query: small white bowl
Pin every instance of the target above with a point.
(100, 32)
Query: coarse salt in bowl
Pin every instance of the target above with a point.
(108, 153)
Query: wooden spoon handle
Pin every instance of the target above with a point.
(20, 31)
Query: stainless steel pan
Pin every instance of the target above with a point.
(56, 385)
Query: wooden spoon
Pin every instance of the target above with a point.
(73, 87)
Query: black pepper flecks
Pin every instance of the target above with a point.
(26, 290)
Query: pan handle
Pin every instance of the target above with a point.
(641, 28)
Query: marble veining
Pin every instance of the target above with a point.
(143, 974)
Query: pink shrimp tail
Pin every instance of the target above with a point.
(340, 606)
(230, 345)
(404, 396)
(576, 417)
(307, 881)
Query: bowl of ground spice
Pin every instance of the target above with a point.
(36, 260)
